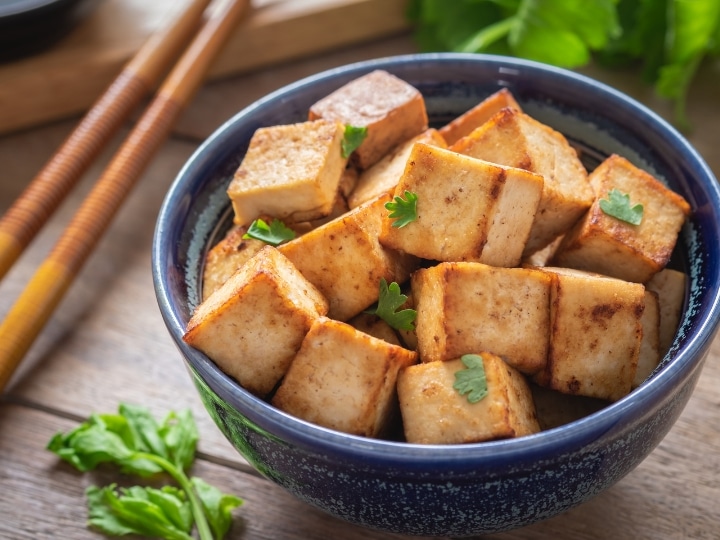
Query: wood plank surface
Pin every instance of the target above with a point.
(67, 78)
(107, 343)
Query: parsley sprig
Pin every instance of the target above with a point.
(471, 380)
(618, 206)
(352, 139)
(133, 440)
(389, 300)
(274, 233)
(667, 38)
(403, 211)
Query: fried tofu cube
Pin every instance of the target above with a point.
(515, 139)
(669, 285)
(344, 379)
(467, 209)
(392, 110)
(596, 333)
(345, 260)
(474, 118)
(291, 172)
(225, 257)
(604, 244)
(464, 307)
(433, 412)
(385, 174)
(253, 325)
(649, 356)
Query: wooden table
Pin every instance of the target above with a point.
(107, 344)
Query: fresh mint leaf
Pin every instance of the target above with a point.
(159, 513)
(471, 380)
(274, 234)
(403, 211)
(618, 206)
(218, 506)
(352, 139)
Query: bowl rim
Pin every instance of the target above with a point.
(547, 443)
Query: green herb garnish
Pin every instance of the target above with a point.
(389, 300)
(403, 211)
(274, 234)
(133, 440)
(353, 137)
(618, 206)
(471, 380)
(668, 39)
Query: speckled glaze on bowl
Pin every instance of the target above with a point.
(476, 488)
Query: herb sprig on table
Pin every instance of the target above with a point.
(133, 440)
(668, 38)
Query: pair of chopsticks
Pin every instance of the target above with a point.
(28, 214)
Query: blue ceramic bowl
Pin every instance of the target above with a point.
(463, 489)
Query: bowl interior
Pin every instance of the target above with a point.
(596, 119)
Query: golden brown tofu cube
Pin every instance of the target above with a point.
(515, 139)
(596, 332)
(604, 244)
(225, 257)
(464, 307)
(344, 379)
(345, 261)
(253, 325)
(467, 209)
(669, 285)
(433, 412)
(482, 112)
(291, 172)
(385, 174)
(392, 110)
(649, 356)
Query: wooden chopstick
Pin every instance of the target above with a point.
(24, 219)
(46, 288)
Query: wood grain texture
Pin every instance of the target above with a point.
(107, 343)
(68, 78)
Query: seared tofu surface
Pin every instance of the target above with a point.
(392, 110)
(253, 325)
(290, 172)
(466, 307)
(344, 379)
(434, 412)
(515, 139)
(605, 244)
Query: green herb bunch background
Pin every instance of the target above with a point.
(669, 39)
(134, 441)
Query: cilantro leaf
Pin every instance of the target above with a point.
(403, 211)
(471, 380)
(352, 139)
(274, 234)
(162, 513)
(618, 206)
(390, 299)
(138, 444)
(668, 38)
(217, 505)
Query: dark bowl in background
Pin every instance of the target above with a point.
(30, 26)
(468, 489)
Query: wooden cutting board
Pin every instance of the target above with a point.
(66, 79)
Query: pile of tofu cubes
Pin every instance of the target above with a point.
(510, 257)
